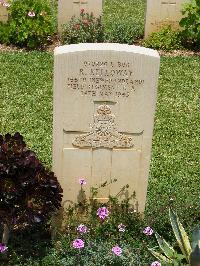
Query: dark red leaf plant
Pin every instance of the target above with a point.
(29, 193)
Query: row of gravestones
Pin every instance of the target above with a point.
(159, 12)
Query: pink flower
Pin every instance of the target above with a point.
(78, 243)
(102, 212)
(122, 227)
(31, 14)
(86, 22)
(77, 26)
(117, 250)
(3, 248)
(82, 181)
(148, 231)
(82, 229)
(156, 263)
(6, 4)
(82, 10)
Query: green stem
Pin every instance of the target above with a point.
(6, 234)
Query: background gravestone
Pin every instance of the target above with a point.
(104, 103)
(3, 13)
(160, 13)
(69, 8)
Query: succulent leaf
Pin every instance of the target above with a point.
(160, 257)
(180, 234)
(165, 247)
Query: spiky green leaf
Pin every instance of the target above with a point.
(159, 256)
(165, 247)
(180, 234)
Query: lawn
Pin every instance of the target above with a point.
(26, 106)
(124, 20)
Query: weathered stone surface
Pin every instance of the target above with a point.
(3, 12)
(104, 103)
(162, 13)
(69, 8)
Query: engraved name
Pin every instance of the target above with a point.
(102, 78)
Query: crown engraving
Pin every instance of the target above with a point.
(103, 132)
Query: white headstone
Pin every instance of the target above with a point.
(104, 104)
(160, 13)
(69, 8)
(3, 12)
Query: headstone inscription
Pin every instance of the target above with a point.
(3, 12)
(160, 13)
(69, 8)
(104, 103)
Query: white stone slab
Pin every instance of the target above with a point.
(160, 13)
(69, 8)
(104, 104)
(3, 13)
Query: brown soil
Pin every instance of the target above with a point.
(50, 48)
(180, 53)
(12, 48)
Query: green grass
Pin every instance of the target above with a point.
(174, 168)
(26, 106)
(26, 99)
(124, 20)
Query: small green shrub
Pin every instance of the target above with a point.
(95, 253)
(123, 32)
(30, 23)
(95, 234)
(191, 23)
(84, 29)
(166, 39)
(119, 212)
